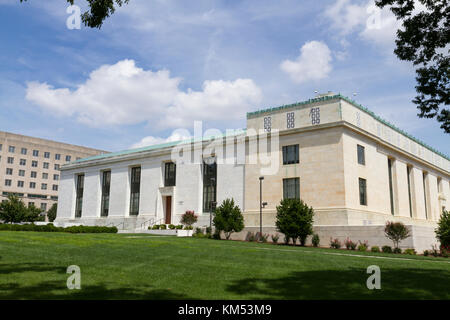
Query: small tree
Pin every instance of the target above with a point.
(228, 218)
(443, 229)
(13, 210)
(295, 219)
(396, 231)
(188, 218)
(51, 213)
(33, 214)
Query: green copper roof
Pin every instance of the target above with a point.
(157, 146)
(339, 96)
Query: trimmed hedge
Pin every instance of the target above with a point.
(51, 228)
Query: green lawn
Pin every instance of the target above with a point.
(118, 266)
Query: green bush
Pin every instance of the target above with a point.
(155, 227)
(251, 237)
(335, 243)
(228, 218)
(443, 229)
(14, 210)
(188, 228)
(396, 231)
(315, 240)
(179, 227)
(188, 218)
(397, 250)
(295, 219)
(163, 227)
(375, 249)
(198, 231)
(51, 228)
(171, 226)
(262, 237)
(426, 253)
(386, 249)
(51, 213)
(363, 246)
(410, 252)
(275, 238)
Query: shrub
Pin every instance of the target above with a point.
(386, 249)
(188, 228)
(208, 230)
(179, 227)
(397, 250)
(51, 228)
(335, 243)
(396, 231)
(216, 235)
(275, 238)
(363, 246)
(188, 218)
(426, 253)
(434, 251)
(14, 210)
(228, 218)
(171, 226)
(155, 227)
(251, 236)
(443, 229)
(375, 249)
(51, 213)
(295, 219)
(445, 251)
(198, 231)
(349, 244)
(163, 227)
(262, 237)
(410, 252)
(315, 240)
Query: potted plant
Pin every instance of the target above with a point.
(187, 219)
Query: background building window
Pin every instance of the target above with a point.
(57, 156)
(408, 173)
(44, 175)
(32, 185)
(9, 171)
(34, 164)
(35, 153)
(56, 166)
(12, 149)
(362, 192)
(135, 190)
(20, 184)
(43, 186)
(46, 165)
(79, 196)
(56, 177)
(425, 190)
(43, 206)
(68, 158)
(209, 185)
(23, 162)
(33, 174)
(47, 155)
(106, 185)
(291, 188)
(361, 155)
(170, 170)
(55, 187)
(23, 151)
(22, 173)
(290, 154)
(8, 182)
(10, 160)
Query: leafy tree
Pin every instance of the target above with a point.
(33, 214)
(443, 229)
(99, 11)
(13, 210)
(51, 213)
(295, 219)
(188, 218)
(228, 218)
(396, 231)
(423, 41)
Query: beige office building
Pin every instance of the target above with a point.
(29, 167)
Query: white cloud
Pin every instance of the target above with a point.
(125, 94)
(313, 63)
(152, 140)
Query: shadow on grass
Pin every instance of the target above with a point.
(57, 289)
(348, 284)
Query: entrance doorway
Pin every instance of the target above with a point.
(168, 210)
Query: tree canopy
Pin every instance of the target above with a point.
(424, 40)
(98, 12)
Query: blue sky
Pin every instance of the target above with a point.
(158, 65)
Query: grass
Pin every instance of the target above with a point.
(119, 266)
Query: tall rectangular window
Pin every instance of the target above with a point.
(135, 187)
(106, 184)
(57, 156)
(47, 155)
(408, 173)
(79, 198)
(361, 155)
(35, 153)
(209, 185)
(362, 192)
(170, 170)
(12, 149)
(23, 151)
(291, 188)
(290, 154)
(424, 175)
(391, 188)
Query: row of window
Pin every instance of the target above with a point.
(24, 151)
(9, 171)
(21, 184)
(314, 114)
(43, 205)
(34, 163)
